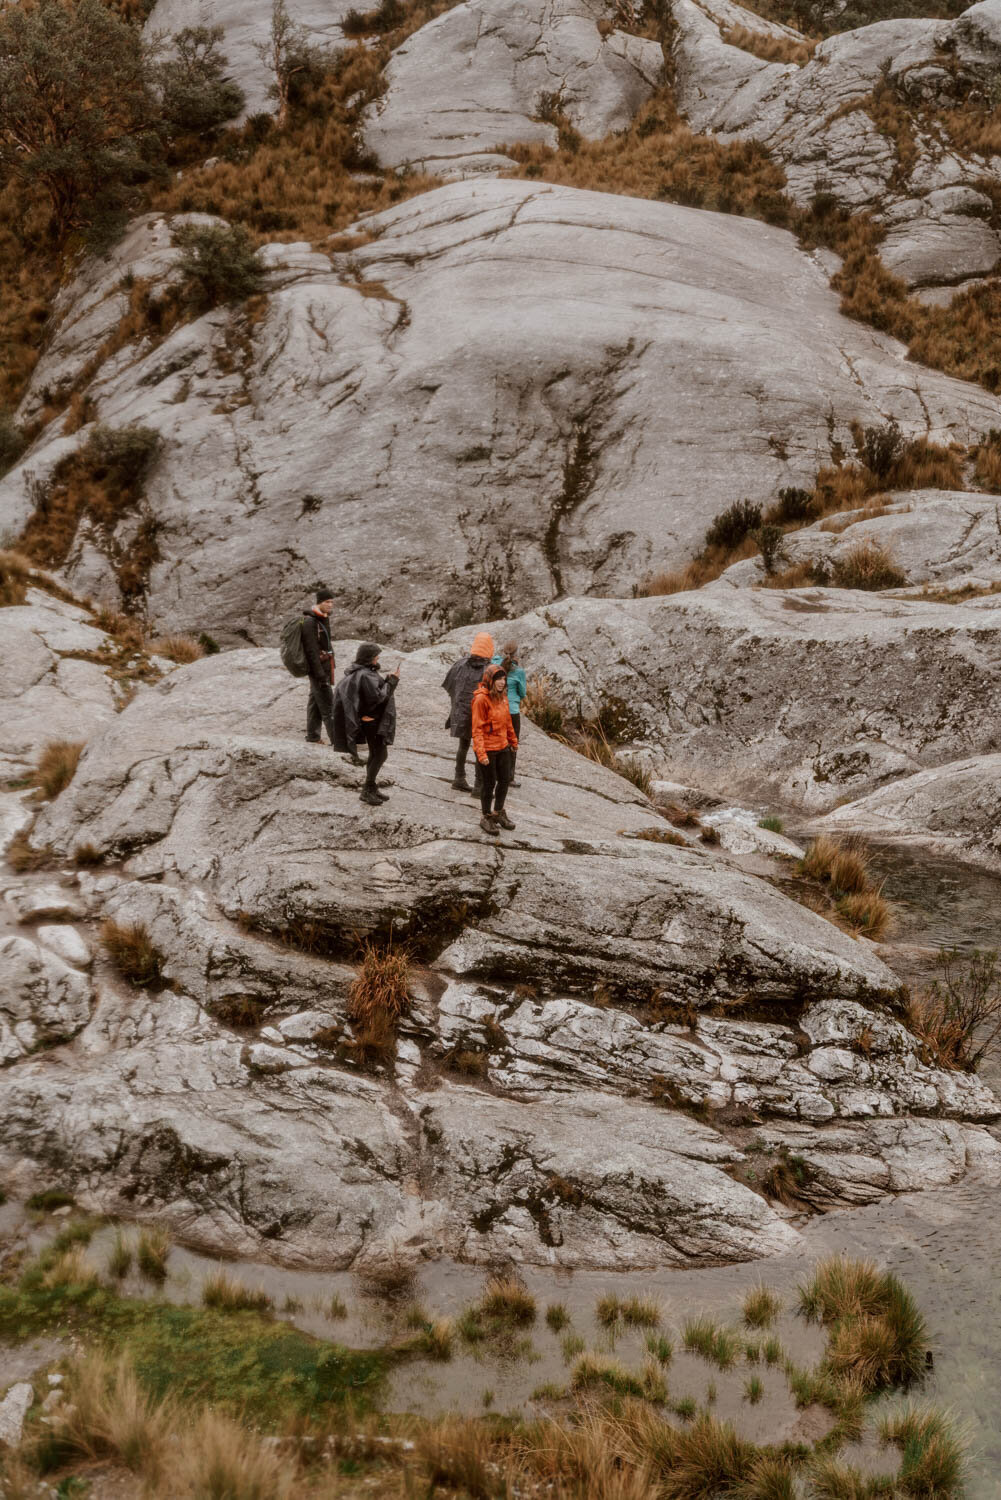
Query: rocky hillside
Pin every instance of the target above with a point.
(666, 338)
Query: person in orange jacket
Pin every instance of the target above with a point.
(494, 742)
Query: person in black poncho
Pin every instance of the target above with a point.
(364, 710)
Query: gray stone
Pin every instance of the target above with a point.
(494, 68)
(42, 1000)
(66, 943)
(33, 903)
(13, 1410)
(800, 697)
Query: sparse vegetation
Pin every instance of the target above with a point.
(772, 824)
(866, 565)
(508, 1300)
(152, 1253)
(769, 48)
(958, 1018)
(219, 264)
(182, 649)
(876, 1336)
(557, 1317)
(761, 1307)
(720, 1346)
(842, 866)
(226, 1292)
(56, 767)
(132, 951)
(120, 1258)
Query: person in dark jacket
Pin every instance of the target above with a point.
(364, 710)
(461, 681)
(319, 666)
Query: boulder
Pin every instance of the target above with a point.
(42, 999)
(500, 73)
(804, 697)
(942, 538)
(505, 447)
(53, 684)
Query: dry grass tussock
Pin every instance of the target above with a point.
(784, 49)
(379, 996)
(178, 648)
(842, 866)
(153, 1252)
(56, 767)
(109, 1415)
(223, 1291)
(15, 578)
(958, 1018)
(867, 565)
(876, 1335)
(132, 951)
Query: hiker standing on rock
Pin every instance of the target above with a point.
(461, 682)
(517, 689)
(364, 710)
(318, 649)
(495, 742)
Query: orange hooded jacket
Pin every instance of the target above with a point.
(492, 727)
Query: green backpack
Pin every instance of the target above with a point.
(292, 650)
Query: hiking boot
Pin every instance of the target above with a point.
(503, 819)
(460, 784)
(488, 824)
(372, 797)
(514, 783)
(353, 760)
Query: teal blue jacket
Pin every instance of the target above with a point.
(517, 687)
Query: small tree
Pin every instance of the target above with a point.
(219, 263)
(195, 93)
(78, 120)
(290, 56)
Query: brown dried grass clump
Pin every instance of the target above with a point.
(22, 855)
(132, 951)
(843, 867)
(180, 648)
(659, 157)
(958, 1018)
(784, 49)
(108, 1415)
(987, 468)
(15, 576)
(379, 996)
(867, 912)
(867, 565)
(56, 767)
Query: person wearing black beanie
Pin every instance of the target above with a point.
(318, 649)
(364, 709)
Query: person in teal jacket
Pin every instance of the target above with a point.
(517, 687)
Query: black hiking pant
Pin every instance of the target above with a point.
(497, 775)
(460, 762)
(516, 721)
(378, 753)
(320, 709)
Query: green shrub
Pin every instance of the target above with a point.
(880, 447)
(12, 442)
(793, 505)
(769, 540)
(195, 94)
(733, 525)
(219, 263)
(121, 456)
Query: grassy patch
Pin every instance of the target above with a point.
(720, 1346)
(378, 998)
(761, 1307)
(842, 867)
(958, 1019)
(152, 1252)
(876, 1336)
(230, 1295)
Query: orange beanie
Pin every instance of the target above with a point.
(483, 645)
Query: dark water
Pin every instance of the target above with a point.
(938, 903)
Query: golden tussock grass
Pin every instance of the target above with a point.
(659, 157)
(132, 951)
(379, 996)
(72, 1267)
(180, 648)
(221, 1459)
(15, 577)
(508, 1299)
(783, 49)
(842, 866)
(56, 766)
(987, 466)
(109, 1415)
(867, 565)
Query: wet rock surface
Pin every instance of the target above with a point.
(569, 1085)
(504, 453)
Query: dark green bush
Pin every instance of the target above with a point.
(219, 263)
(12, 442)
(793, 504)
(195, 93)
(121, 456)
(880, 447)
(769, 540)
(734, 524)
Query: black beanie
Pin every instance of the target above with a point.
(367, 653)
(323, 594)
